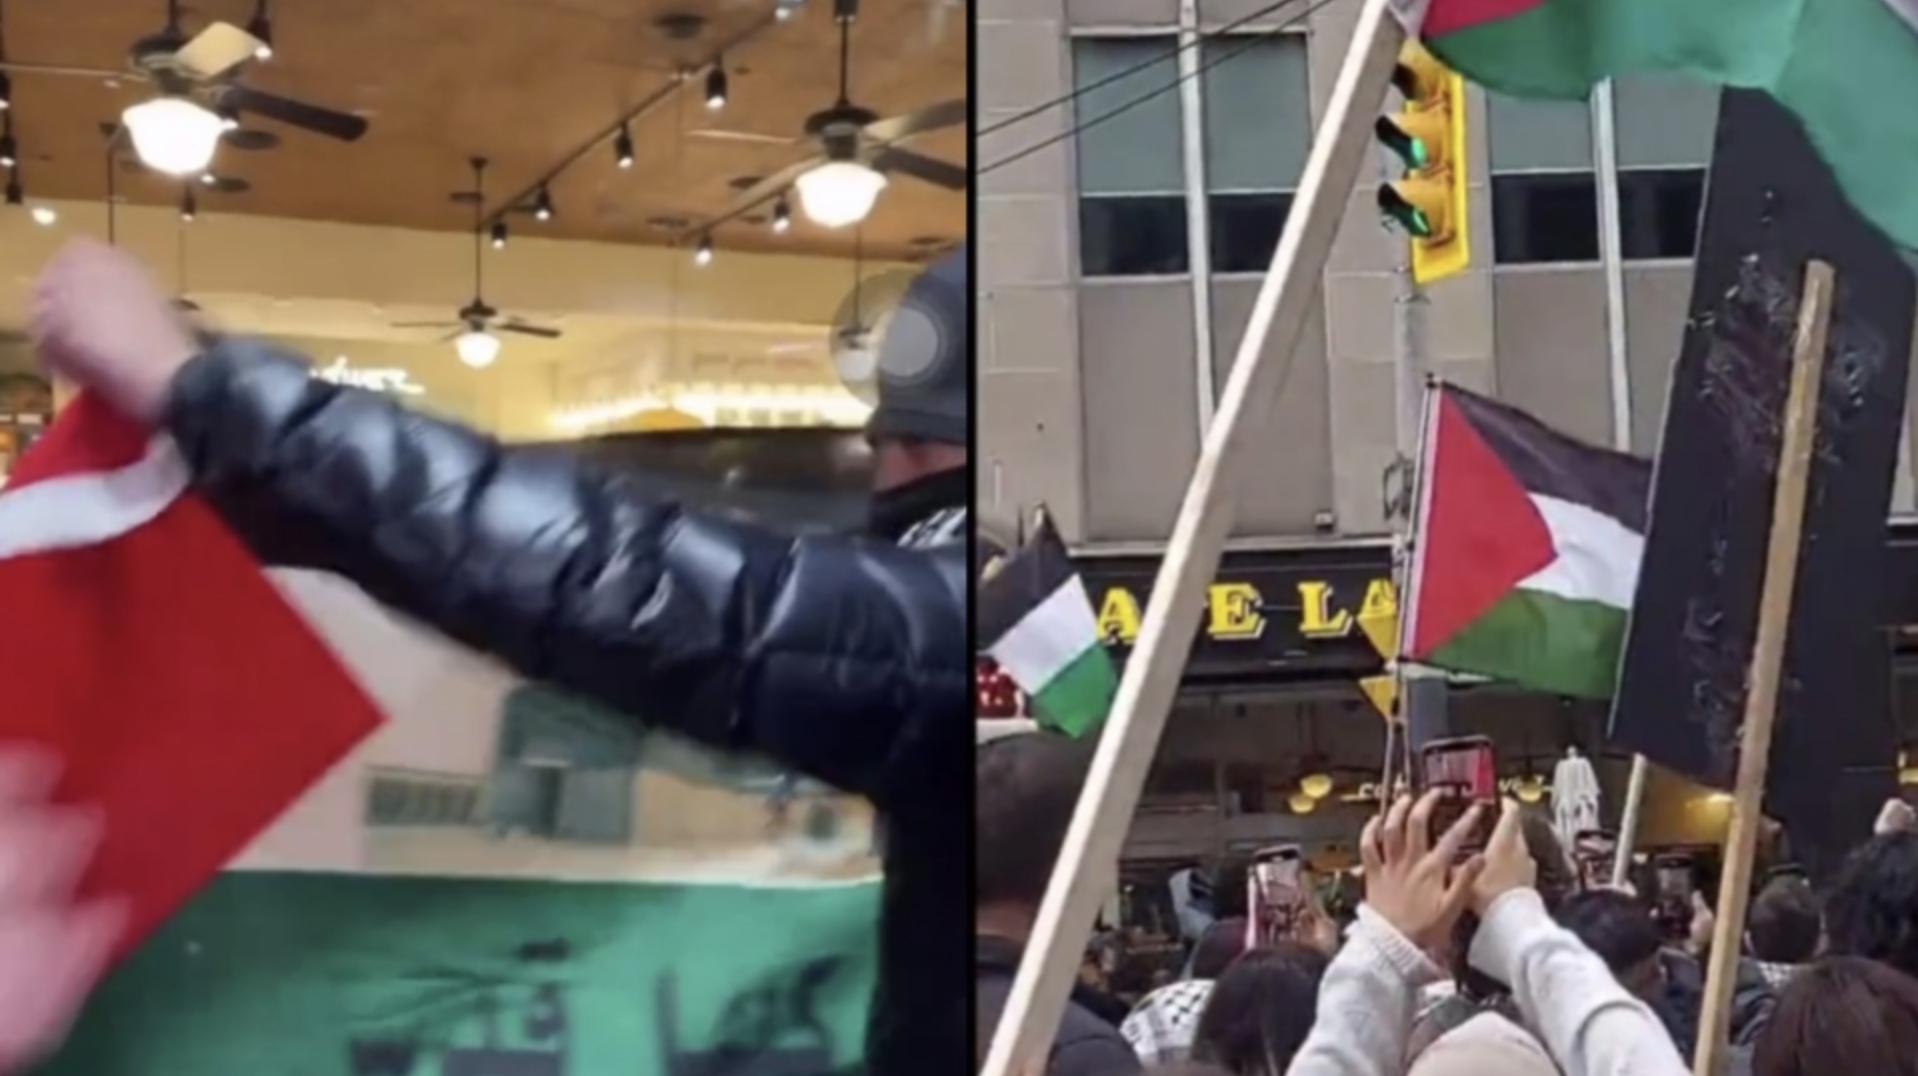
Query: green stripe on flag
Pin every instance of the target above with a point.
(1076, 700)
(292, 974)
(1541, 641)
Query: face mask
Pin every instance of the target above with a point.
(894, 511)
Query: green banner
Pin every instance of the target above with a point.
(294, 974)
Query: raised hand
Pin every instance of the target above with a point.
(1413, 883)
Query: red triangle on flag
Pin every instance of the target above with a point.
(188, 701)
(1479, 534)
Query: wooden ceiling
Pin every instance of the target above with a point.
(524, 83)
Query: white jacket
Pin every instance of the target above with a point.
(1591, 1025)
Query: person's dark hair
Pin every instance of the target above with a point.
(1218, 947)
(1188, 1068)
(1873, 908)
(1616, 926)
(1845, 1015)
(1026, 788)
(1260, 1010)
(1784, 922)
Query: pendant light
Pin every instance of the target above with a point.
(499, 235)
(173, 135)
(842, 190)
(716, 85)
(543, 206)
(477, 348)
(703, 253)
(782, 216)
(1301, 803)
(189, 208)
(623, 148)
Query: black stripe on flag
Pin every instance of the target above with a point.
(1549, 463)
(1026, 578)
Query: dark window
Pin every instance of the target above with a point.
(1134, 235)
(1544, 217)
(1658, 210)
(1245, 230)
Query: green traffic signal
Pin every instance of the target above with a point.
(1403, 213)
(1410, 149)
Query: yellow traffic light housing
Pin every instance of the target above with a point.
(1428, 137)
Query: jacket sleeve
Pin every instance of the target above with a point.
(1591, 1024)
(1366, 1004)
(843, 658)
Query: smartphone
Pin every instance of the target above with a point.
(1674, 875)
(1594, 852)
(1275, 895)
(1465, 772)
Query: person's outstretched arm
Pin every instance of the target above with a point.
(1413, 895)
(843, 658)
(1591, 1024)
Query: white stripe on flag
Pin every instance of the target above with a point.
(1048, 638)
(1598, 557)
(1906, 10)
(86, 509)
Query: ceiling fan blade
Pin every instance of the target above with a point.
(919, 166)
(334, 124)
(717, 135)
(102, 73)
(251, 140)
(765, 189)
(528, 330)
(428, 325)
(930, 118)
(216, 50)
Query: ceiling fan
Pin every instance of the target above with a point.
(199, 102)
(857, 149)
(860, 325)
(473, 334)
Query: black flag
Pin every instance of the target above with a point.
(1772, 206)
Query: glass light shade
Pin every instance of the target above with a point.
(477, 348)
(174, 135)
(1530, 789)
(1302, 803)
(1316, 785)
(839, 193)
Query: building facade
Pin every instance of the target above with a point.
(1120, 254)
(1136, 161)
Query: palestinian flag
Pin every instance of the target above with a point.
(1842, 66)
(1036, 621)
(1527, 550)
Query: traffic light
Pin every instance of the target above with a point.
(1428, 137)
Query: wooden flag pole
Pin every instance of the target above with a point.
(1628, 822)
(1151, 680)
(1768, 657)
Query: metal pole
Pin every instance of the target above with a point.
(1422, 692)
(1605, 162)
(1198, 229)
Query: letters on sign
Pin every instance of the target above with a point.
(1238, 612)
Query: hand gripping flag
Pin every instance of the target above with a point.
(140, 640)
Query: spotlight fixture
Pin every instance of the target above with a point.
(15, 196)
(229, 119)
(6, 92)
(173, 135)
(261, 28)
(1317, 784)
(9, 151)
(208, 179)
(499, 235)
(1301, 803)
(782, 216)
(786, 9)
(703, 253)
(716, 85)
(543, 207)
(623, 148)
(189, 207)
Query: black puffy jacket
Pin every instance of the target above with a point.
(846, 659)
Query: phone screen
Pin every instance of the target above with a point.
(1277, 897)
(1465, 772)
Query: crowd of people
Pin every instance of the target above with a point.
(1497, 962)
